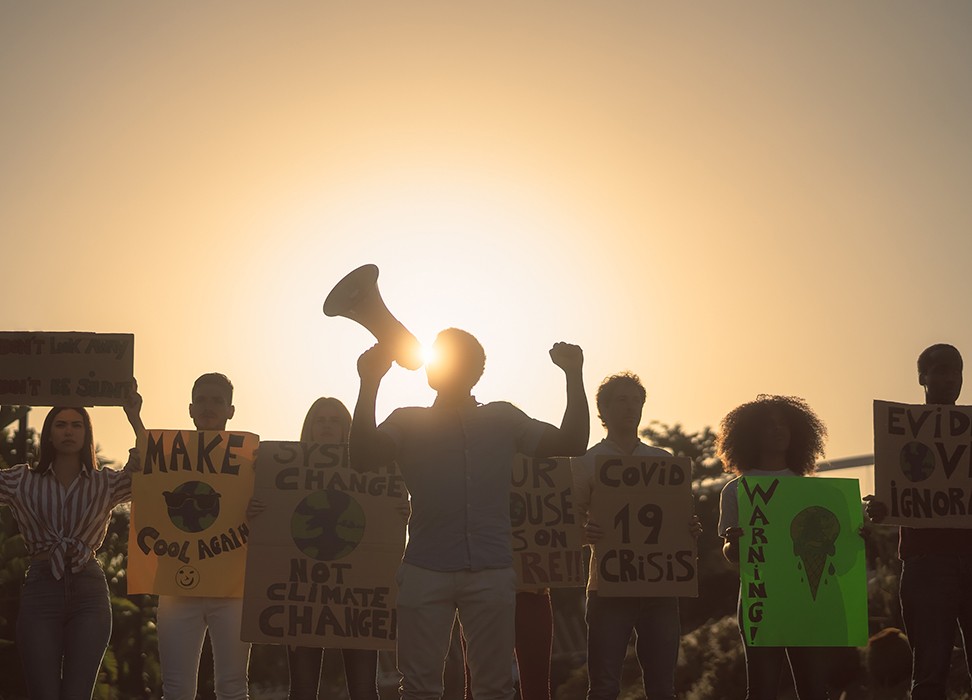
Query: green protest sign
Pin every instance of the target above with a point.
(801, 562)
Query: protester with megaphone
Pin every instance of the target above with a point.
(456, 458)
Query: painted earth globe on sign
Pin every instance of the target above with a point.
(917, 461)
(327, 525)
(193, 506)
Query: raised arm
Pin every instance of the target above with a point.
(370, 449)
(571, 438)
(133, 410)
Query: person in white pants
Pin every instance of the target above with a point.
(183, 620)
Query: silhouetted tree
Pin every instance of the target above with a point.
(699, 447)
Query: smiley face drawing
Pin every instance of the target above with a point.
(192, 506)
(187, 577)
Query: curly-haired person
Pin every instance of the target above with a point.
(772, 436)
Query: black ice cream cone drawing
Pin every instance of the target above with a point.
(814, 531)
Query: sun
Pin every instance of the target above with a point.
(429, 354)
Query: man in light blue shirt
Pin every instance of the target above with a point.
(456, 458)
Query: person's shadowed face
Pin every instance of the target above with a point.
(942, 377)
(457, 362)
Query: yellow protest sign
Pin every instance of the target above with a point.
(188, 530)
(644, 505)
(324, 553)
(546, 535)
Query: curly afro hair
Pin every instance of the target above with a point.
(739, 434)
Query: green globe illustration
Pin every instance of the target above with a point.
(327, 525)
(917, 461)
(192, 506)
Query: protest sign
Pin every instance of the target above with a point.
(324, 553)
(923, 464)
(546, 535)
(644, 506)
(802, 573)
(66, 369)
(188, 529)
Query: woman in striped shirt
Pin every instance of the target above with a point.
(62, 506)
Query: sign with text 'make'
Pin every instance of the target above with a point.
(66, 369)
(546, 536)
(923, 464)
(802, 573)
(324, 553)
(188, 530)
(644, 506)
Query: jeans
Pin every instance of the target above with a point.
(764, 668)
(182, 624)
(810, 667)
(609, 624)
(62, 631)
(360, 672)
(428, 602)
(936, 599)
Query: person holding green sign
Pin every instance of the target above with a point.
(936, 563)
(778, 436)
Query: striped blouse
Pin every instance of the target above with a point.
(68, 522)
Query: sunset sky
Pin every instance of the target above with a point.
(726, 198)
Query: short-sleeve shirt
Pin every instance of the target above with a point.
(583, 468)
(457, 465)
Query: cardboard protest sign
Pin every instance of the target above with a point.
(644, 506)
(323, 555)
(923, 464)
(189, 531)
(802, 573)
(546, 535)
(66, 369)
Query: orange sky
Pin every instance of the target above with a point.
(727, 199)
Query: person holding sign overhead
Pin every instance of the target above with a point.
(778, 436)
(62, 506)
(936, 563)
(610, 620)
(456, 458)
(184, 620)
(328, 422)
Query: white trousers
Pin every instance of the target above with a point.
(182, 624)
(428, 602)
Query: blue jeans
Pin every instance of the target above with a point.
(360, 672)
(62, 631)
(609, 625)
(936, 599)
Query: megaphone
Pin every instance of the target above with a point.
(356, 297)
